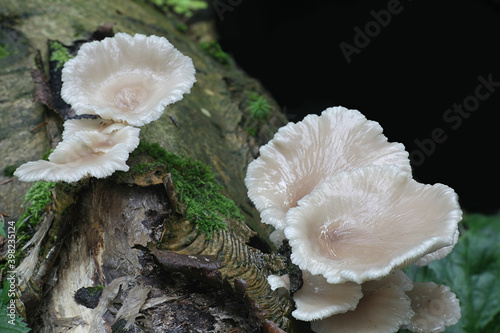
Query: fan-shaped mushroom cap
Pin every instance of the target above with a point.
(84, 154)
(359, 225)
(318, 299)
(439, 254)
(127, 79)
(435, 307)
(383, 308)
(302, 155)
(104, 126)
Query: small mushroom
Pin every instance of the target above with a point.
(435, 306)
(104, 126)
(302, 155)
(279, 281)
(127, 79)
(318, 299)
(86, 153)
(383, 308)
(361, 224)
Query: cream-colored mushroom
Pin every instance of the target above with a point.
(127, 79)
(302, 155)
(279, 281)
(104, 126)
(86, 153)
(383, 308)
(318, 299)
(361, 224)
(439, 254)
(435, 306)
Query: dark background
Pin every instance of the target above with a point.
(427, 58)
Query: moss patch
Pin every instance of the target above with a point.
(4, 52)
(258, 106)
(36, 201)
(181, 7)
(9, 170)
(89, 297)
(59, 53)
(195, 184)
(214, 50)
(45, 156)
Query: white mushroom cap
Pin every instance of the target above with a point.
(302, 155)
(98, 142)
(435, 306)
(318, 299)
(361, 224)
(279, 281)
(439, 254)
(383, 308)
(84, 154)
(105, 126)
(127, 79)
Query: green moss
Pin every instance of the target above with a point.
(196, 186)
(93, 290)
(258, 106)
(182, 7)
(37, 198)
(9, 170)
(36, 201)
(252, 131)
(45, 156)
(215, 51)
(3, 51)
(181, 27)
(59, 53)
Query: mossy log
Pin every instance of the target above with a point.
(111, 234)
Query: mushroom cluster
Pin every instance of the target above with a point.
(345, 200)
(125, 81)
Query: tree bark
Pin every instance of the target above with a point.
(100, 232)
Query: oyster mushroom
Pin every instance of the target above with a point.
(86, 153)
(435, 306)
(279, 281)
(318, 299)
(105, 126)
(439, 254)
(383, 308)
(302, 155)
(361, 224)
(127, 79)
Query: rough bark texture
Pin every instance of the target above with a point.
(212, 119)
(93, 235)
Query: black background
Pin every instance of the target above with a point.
(427, 58)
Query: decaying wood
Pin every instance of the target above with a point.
(95, 234)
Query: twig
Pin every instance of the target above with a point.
(39, 126)
(6, 181)
(174, 121)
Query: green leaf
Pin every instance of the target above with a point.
(10, 323)
(472, 271)
(2, 230)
